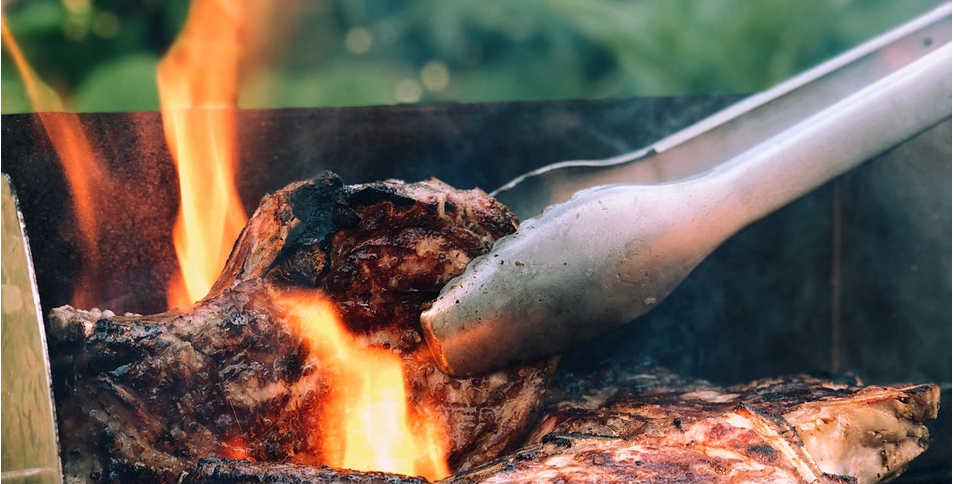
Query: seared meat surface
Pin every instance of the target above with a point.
(229, 390)
(143, 399)
(231, 471)
(648, 425)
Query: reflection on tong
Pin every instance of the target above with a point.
(611, 252)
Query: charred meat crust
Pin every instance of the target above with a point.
(646, 424)
(230, 471)
(145, 397)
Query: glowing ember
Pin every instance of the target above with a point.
(367, 423)
(81, 165)
(237, 449)
(198, 92)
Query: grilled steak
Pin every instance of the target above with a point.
(143, 399)
(654, 426)
(228, 391)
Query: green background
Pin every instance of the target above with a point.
(101, 55)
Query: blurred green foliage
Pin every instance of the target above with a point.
(101, 54)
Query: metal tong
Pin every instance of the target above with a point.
(625, 231)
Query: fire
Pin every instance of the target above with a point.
(81, 165)
(368, 423)
(198, 93)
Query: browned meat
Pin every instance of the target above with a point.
(142, 399)
(231, 471)
(653, 426)
(230, 390)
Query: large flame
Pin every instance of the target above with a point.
(198, 93)
(367, 422)
(82, 167)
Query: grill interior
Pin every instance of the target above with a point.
(854, 277)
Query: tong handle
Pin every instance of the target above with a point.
(611, 253)
(740, 127)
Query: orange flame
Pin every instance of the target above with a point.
(368, 424)
(81, 165)
(198, 93)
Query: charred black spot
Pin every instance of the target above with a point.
(525, 455)
(380, 193)
(833, 478)
(558, 440)
(763, 453)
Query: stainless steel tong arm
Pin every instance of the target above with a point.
(612, 252)
(739, 127)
